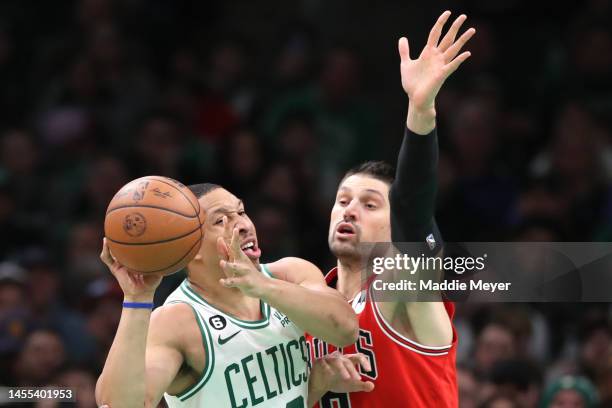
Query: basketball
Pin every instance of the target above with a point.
(154, 225)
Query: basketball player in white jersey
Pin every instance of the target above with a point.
(232, 334)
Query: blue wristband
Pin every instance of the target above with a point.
(137, 305)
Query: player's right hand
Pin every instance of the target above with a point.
(137, 287)
(338, 372)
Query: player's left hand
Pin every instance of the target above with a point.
(338, 372)
(423, 77)
(239, 270)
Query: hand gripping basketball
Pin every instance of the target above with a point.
(136, 286)
(154, 225)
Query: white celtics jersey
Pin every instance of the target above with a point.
(248, 363)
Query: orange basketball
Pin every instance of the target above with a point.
(154, 225)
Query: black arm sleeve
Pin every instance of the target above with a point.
(413, 193)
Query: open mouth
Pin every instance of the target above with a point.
(345, 230)
(251, 249)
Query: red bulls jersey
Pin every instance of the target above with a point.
(404, 372)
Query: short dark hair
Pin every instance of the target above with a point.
(200, 190)
(379, 170)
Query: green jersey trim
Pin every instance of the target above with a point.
(245, 324)
(209, 363)
(266, 271)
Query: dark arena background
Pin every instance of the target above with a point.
(275, 101)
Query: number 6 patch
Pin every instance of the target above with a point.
(217, 322)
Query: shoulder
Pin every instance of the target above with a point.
(294, 269)
(172, 312)
(172, 321)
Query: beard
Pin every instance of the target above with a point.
(348, 249)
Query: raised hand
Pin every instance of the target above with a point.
(135, 286)
(239, 270)
(423, 77)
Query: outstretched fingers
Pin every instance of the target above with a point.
(450, 36)
(454, 64)
(222, 242)
(235, 250)
(359, 358)
(436, 30)
(454, 49)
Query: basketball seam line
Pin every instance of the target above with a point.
(184, 195)
(156, 242)
(187, 198)
(169, 266)
(153, 206)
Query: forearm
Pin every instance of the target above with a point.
(413, 192)
(326, 316)
(122, 382)
(421, 120)
(316, 390)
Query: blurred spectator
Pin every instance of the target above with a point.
(11, 224)
(482, 192)
(518, 378)
(596, 345)
(85, 192)
(539, 230)
(241, 162)
(81, 381)
(494, 343)
(573, 184)
(45, 301)
(83, 255)
(568, 391)
(229, 96)
(22, 172)
(294, 60)
(591, 63)
(157, 147)
(500, 401)
(15, 317)
(274, 231)
(43, 353)
(469, 388)
(102, 306)
(340, 116)
(20, 162)
(279, 185)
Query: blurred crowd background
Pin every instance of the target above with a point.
(275, 100)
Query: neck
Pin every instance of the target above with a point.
(349, 277)
(205, 281)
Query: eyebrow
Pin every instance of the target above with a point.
(369, 190)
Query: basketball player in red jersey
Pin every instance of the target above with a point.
(410, 345)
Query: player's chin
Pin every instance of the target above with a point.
(341, 247)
